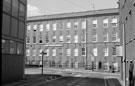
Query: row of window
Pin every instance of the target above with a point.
(68, 52)
(12, 47)
(76, 25)
(75, 38)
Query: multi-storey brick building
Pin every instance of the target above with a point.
(74, 40)
(127, 30)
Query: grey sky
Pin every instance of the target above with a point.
(45, 7)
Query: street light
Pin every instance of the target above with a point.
(43, 53)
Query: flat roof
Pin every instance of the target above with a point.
(74, 14)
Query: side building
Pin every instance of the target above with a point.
(13, 39)
(127, 31)
(74, 40)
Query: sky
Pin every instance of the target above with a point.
(47, 7)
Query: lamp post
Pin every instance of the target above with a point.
(42, 61)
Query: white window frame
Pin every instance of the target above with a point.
(76, 52)
(48, 27)
(40, 52)
(75, 38)
(35, 26)
(28, 27)
(61, 39)
(84, 24)
(76, 25)
(69, 38)
(40, 27)
(68, 25)
(68, 52)
(34, 52)
(54, 38)
(47, 52)
(105, 35)
(54, 26)
(114, 21)
(105, 21)
(116, 36)
(94, 22)
(54, 52)
(106, 51)
(94, 36)
(28, 52)
(95, 51)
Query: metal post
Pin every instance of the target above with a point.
(42, 61)
(86, 42)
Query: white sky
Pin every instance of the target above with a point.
(46, 7)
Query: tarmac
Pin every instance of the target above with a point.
(31, 79)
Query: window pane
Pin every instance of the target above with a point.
(21, 30)
(14, 25)
(12, 47)
(5, 46)
(22, 12)
(19, 48)
(7, 5)
(15, 7)
(6, 24)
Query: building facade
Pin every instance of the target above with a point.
(13, 39)
(74, 40)
(127, 29)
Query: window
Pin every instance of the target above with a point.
(76, 52)
(28, 27)
(61, 39)
(54, 26)
(5, 46)
(15, 7)
(20, 48)
(60, 51)
(76, 25)
(83, 36)
(83, 51)
(6, 26)
(94, 51)
(105, 37)
(34, 39)
(22, 12)
(94, 38)
(75, 38)
(41, 27)
(105, 23)
(113, 50)
(68, 25)
(106, 51)
(35, 27)
(12, 47)
(27, 38)
(7, 6)
(114, 36)
(114, 22)
(84, 24)
(34, 52)
(68, 52)
(54, 39)
(28, 52)
(40, 52)
(68, 39)
(47, 27)
(47, 39)
(94, 23)
(47, 52)
(54, 52)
